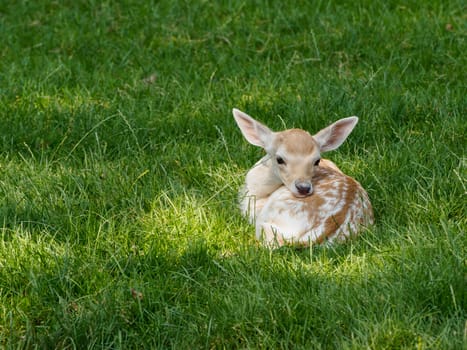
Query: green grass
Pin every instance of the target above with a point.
(120, 164)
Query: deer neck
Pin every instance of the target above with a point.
(261, 180)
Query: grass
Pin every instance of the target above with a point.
(120, 164)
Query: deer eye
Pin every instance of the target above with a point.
(280, 160)
(317, 162)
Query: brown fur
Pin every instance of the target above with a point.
(296, 141)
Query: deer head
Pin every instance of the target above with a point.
(294, 153)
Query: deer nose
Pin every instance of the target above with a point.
(304, 188)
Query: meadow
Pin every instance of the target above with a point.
(120, 164)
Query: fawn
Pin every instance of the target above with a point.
(293, 195)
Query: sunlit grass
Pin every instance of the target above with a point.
(120, 166)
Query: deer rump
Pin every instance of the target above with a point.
(295, 197)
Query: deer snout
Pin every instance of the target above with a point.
(303, 188)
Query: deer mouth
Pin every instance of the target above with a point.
(301, 194)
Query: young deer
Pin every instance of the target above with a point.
(293, 195)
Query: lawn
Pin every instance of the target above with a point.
(120, 164)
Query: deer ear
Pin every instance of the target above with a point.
(335, 134)
(256, 133)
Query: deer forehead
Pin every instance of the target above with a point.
(296, 143)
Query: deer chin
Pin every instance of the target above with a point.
(298, 195)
